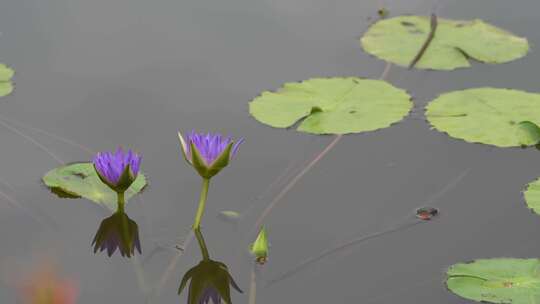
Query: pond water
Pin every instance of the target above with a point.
(109, 72)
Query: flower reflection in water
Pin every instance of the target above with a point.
(117, 232)
(209, 280)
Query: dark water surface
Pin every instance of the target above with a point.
(132, 72)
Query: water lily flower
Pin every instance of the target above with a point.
(208, 153)
(209, 280)
(117, 169)
(117, 232)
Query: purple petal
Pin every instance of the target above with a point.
(111, 165)
(235, 147)
(209, 145)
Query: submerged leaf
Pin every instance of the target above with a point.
(6, 86)
(501, 280)
(532, 196)
(332, 105)
(399, 39)
(485, 115)
(81, 180)
(229, 216)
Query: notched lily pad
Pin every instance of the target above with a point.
(500, 280)
(499, 117)
(332, 105)
(78, 180)
(399, 39)
(6, 86)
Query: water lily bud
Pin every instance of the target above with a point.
(259, 248)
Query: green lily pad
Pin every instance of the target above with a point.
(485, 115)
(532, 196)
(332, 105)
(399, 39)
(6, 86)
(501, 280)
(78, 180)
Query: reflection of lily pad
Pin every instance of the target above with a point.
(532, 196)
(503, 280)
(332, 105)
(485, 115)
(81, 180)
(399, 39)
(6, 86)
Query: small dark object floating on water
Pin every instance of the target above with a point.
(426, 213)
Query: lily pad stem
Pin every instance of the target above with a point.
(426, 43)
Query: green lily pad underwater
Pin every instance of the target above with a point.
(229, 216)
(499, 117)
(6, 86)
(532, 196)
(499, 280)
(399, 40)
(332, 105)
(78, 180)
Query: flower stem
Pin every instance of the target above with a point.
(253, 284)
(202, 203)
(121, 202)
(202, 244)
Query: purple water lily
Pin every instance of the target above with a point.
(112, 167)
(210, 146)
(213, 151)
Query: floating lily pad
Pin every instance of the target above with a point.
(501, 280)
(332, 105)
(6, 86)
(80, 180)
(399, 39)
(485, 115)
